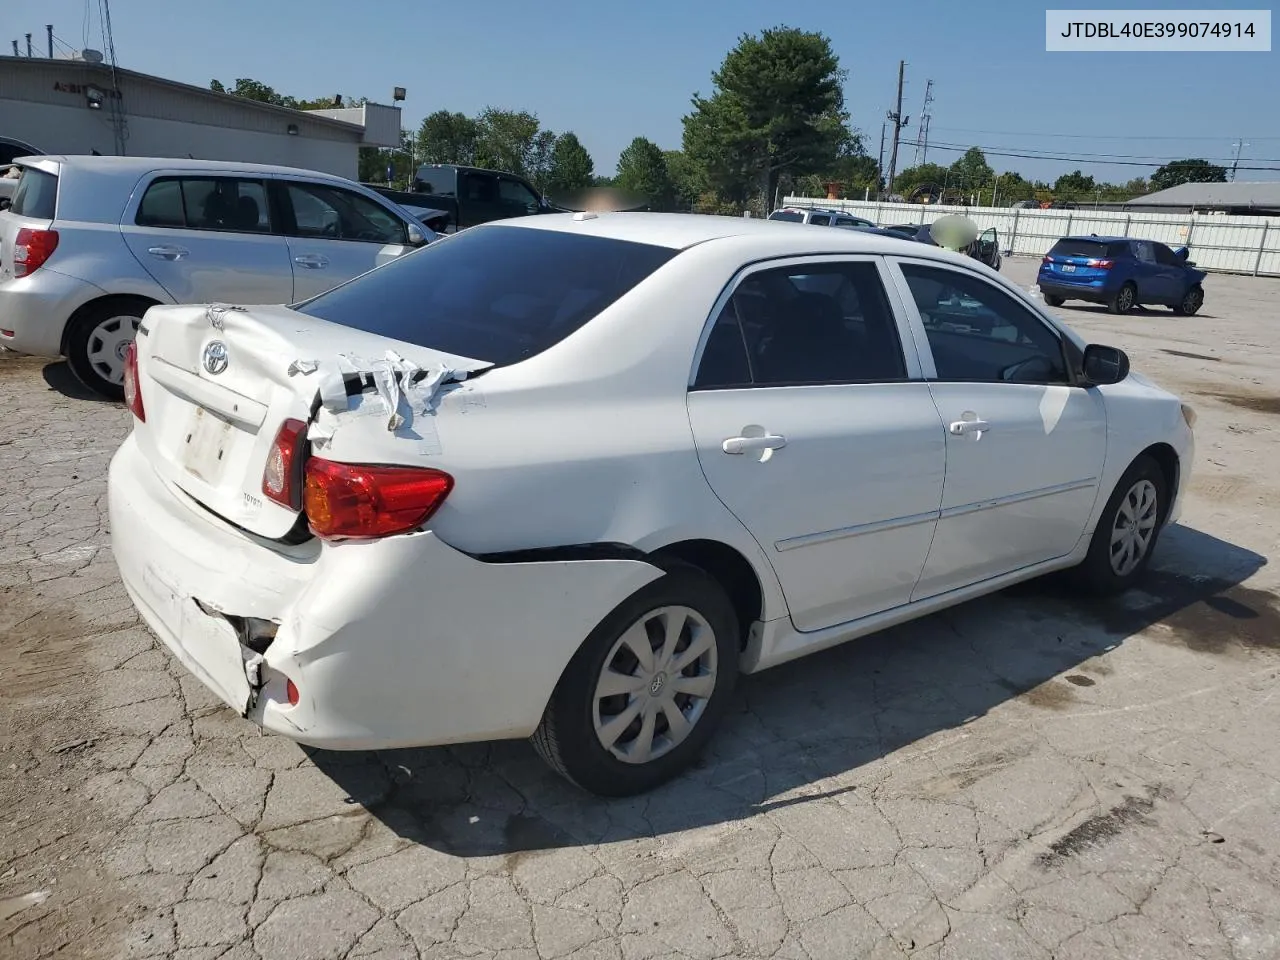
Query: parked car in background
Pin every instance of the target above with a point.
(8, 184)
(89, 244)
(1122, 273)
(819, 218)
(437, 218)
(986, 248)
(471, 195)
(828, 433)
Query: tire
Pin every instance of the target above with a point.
(1191, 301)
(1053, 301)
(1102, 571)
(1125, 299)
(568, 738)
(96, 341)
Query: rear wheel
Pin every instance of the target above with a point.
(96, 344)
(1127, 531)
(1124, 299)
(644, 693)
(1054, 301)
(1192, 301)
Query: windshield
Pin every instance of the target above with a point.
(494, 293)
(791, 216)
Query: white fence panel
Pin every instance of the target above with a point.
(1249, 245)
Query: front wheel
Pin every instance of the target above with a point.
(96, 344)
(1126, 535)
(644, 693)
(1124, 299)
(1192, 301)
(1053, 301)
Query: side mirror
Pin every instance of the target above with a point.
(416, 237)
(1103, 365)
(1182, 253)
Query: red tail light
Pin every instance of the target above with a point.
(132, 389)
(1101, 264)
(31, 249)
(1047, 259)
(347, 501)
(282, 476)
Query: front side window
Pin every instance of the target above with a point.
(205, 203)
(516, 195)
(979, 333)
(805, 324)
(494, 293)
(331, 213)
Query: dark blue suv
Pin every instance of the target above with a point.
(1120, 272)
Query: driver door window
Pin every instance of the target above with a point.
(980, 334)
(334, 214)
(516, 197)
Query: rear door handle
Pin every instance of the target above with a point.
(312, 261)
(739, 445)
(168, 253)
(963, 428)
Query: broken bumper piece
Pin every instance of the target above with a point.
(393, 643)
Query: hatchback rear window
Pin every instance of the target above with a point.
(1085, 248)
(36, 195)
(493, 293)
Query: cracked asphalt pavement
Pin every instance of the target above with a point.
(1029, 775)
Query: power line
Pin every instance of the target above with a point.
(1086, 136)
(995, 152)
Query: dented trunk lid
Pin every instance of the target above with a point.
(218, 382)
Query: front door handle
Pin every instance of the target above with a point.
(168, 253)
(738, 445)
(963, 428)
(312, 261)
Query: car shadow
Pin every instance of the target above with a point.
(1157, 313)
(799, 724)
(59, 377)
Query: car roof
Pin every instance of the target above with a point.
(1093, 239)
(679, 231)
(138, 166)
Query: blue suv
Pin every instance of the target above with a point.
(1122, 273)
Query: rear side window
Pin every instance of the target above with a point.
(820, 219)
(790, 216)
(1094, 249)
(205, 203)
(36, 195)
(495, 293)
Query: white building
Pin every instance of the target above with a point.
(81, 107)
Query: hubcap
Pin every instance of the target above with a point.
(1134, 527)
(107, 345)
(655, 685)
(1126, 298)
(1192, 301)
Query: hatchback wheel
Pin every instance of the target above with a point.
(1124, 299)
(96, 344)
(1128, 529)
(1190, 303)
(642, 696)
(1053, 301)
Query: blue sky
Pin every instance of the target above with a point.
(610, 72)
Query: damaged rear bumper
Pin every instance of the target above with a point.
(392, 643)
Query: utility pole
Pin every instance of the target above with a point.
(922, 137)
(17, 54)
(879, 160)
(28, 44)
(899, 121)
(1239, 145)
(48, 27)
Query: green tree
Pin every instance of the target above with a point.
(1010, 187)
(777, 106)
(971, 173)
(1187, 171)
(1075, 186)
(1136, 187)
(687, 181)
(506, 140)
(926, 174)
(541, 157)
(571, 166)
(642, 169)
(446, 137)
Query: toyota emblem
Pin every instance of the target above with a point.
(215, 357)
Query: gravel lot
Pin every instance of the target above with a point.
(1025, 776)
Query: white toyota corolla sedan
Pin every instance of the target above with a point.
(566, 477)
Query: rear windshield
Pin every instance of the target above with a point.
(499, 294)
(35, 195)
(1095, 249)
(791, 216)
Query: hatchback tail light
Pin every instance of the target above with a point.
(282, 476)
(132, 387)
(1047, 259)
(346, 501)
(31, 249)
(1101, 264)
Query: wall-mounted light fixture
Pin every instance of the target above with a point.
(94, 98)
(293, 129)
(397, 94)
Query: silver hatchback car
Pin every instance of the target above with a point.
(89, 244)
